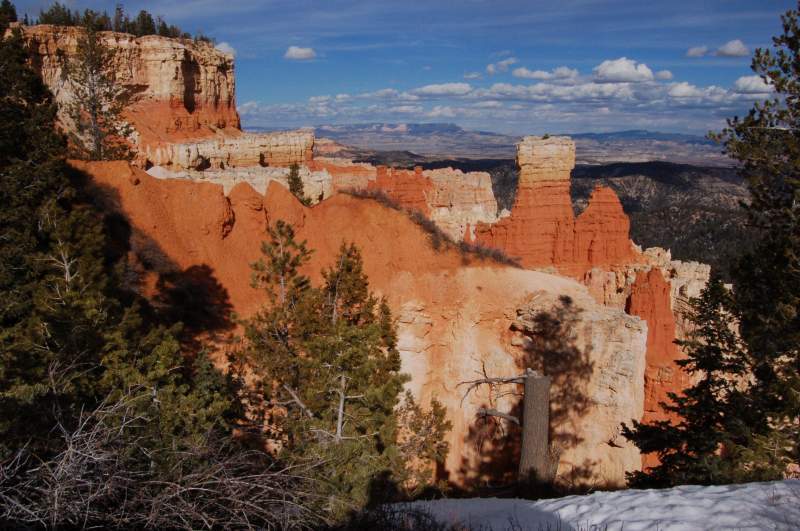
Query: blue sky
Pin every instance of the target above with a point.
(501, 65)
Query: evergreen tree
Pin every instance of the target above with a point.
(296, 184)
(96, 110)
(750, 431)
(710, 412)
(59, 14)
(329, 369)
(68, 337)
(766, 143)
(8, 14)
(121, 21)
(51, 258)
(144, 24)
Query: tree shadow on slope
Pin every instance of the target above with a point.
(551, 348)
(169, 294)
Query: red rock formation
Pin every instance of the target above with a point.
(542, 230)
(453, 319)
(650, 300)
(408, 188)
(602, 232)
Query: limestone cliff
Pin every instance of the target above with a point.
(179, 88)
(249, 150)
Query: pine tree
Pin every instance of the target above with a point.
(68, 337)
(766, 143)
(8, 14)
(60, 15)
(296, 184)
(51, 260)
(710, 412)
(329, 369)
(144, 24)
(752, 433)
(96, 109)
(120, 21)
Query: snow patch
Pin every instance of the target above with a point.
(773, 505)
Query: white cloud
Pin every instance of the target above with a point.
(382, 93)
(388, 94)
(500, 66)
(442, 112)
(734, 48)
(406, 109)
(711, 95)
(684, 90)
(444, 89)
(224, 47)
(664, 74)
(697, 51)
(472, 75)
(297, 53)
(488, 104)
(557, 92)
(342, 97)
(622, 70)
(319, 99)
(752, 85)
(562, 72)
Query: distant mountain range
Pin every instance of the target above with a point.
(641, 134)
(450, 141)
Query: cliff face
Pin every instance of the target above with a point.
(409, 188)
(248, 150)
(179, 88)
(542, 230)
(453, 320)
(650, 299)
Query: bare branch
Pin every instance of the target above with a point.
(485, 412)
(296, 400)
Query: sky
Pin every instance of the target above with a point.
(517, 67)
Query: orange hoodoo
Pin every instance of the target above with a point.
(542, 230)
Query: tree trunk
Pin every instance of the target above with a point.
(534, 461)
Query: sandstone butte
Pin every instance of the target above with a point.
(457, 314)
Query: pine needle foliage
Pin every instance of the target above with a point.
(296, 184)
(69, 338)
(741, 421)
(328, 370)
(100, 131)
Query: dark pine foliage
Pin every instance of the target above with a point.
(328, 369)
(741, 421)
(140, 25)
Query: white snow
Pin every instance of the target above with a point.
(761, 506)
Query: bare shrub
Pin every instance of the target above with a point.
(107, 476)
